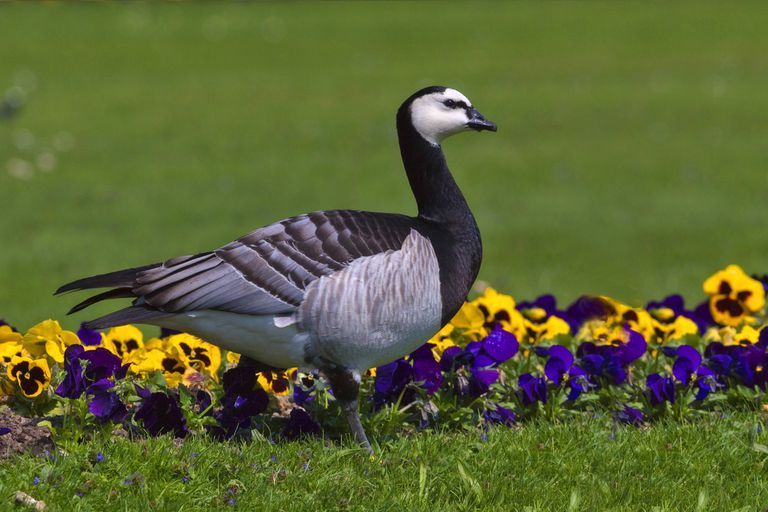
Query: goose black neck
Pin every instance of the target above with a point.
(437, 195)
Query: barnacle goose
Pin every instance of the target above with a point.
(341, 291)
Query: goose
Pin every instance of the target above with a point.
(340, 291)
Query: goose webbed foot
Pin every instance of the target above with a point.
(346, 388)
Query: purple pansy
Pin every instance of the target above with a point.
(611, 361)
(392, 379)
(630, 416)
(676, 304)
(688, 369)
(532, 389)
(480, 360)
(660, 389)
(88, 336)
(548, 303)
(107, 407)
(85, 367)
(243, 399)
(160, 413)
(499, 416)
(747, 364)
(299, 424)
(583, 309)
(560, 369)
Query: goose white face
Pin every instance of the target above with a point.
(440, 114)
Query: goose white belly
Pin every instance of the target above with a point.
(375, 310)
(261, 337)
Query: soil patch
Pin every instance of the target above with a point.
(23, 436)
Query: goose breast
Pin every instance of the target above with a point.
(375, 310)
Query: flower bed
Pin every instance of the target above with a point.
(497, 362)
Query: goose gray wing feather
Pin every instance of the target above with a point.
(268, 270)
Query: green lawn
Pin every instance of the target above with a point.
(703, 466)
(631, 160)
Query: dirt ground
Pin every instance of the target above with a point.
(24, 435)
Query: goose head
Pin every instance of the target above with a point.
(437, 112)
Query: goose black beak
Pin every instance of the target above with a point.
(478, 123)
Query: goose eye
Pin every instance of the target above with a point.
(449, 103)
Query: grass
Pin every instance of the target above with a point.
(583, 465)
(631, 161)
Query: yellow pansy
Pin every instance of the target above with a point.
(8, 334)
(233, 357)
(123, 340)
(747, 335)
(470, 320)
(198, 354)
(49, 338)
(547, 329)
(682, 326)
(601, 332)
(10, 344)
(637, 319)
(275, 383)
(442, 340)
(500, 309)
(32, 375)
(734, 296)
(10, 349)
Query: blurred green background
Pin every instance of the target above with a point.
(631, 157)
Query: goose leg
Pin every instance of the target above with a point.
(346, 388)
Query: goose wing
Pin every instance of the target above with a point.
(264, 272)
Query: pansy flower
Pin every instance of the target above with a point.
(233, 358)
(243, 399)
(106, 405)
(499, 415)
(747, 363)
(744, 336)
(32, 375)
(629, 416)
(585, 309)
(470, 321)
(611, 358)
(300, 424)
(160, 413)
(198, 354)
(560, 370)
(442, 340)
(304, 388)
(10, 344)
(637, 319)
(393, 378)
(93, 372)
(476, 363)
(48, 338)
(660, 389)
(275, 383)
(666, 312)
(89, 337)
(688, 369)
(499, 309)
(123, 340)
(532, 389)
(543, 321)
(734, 296)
